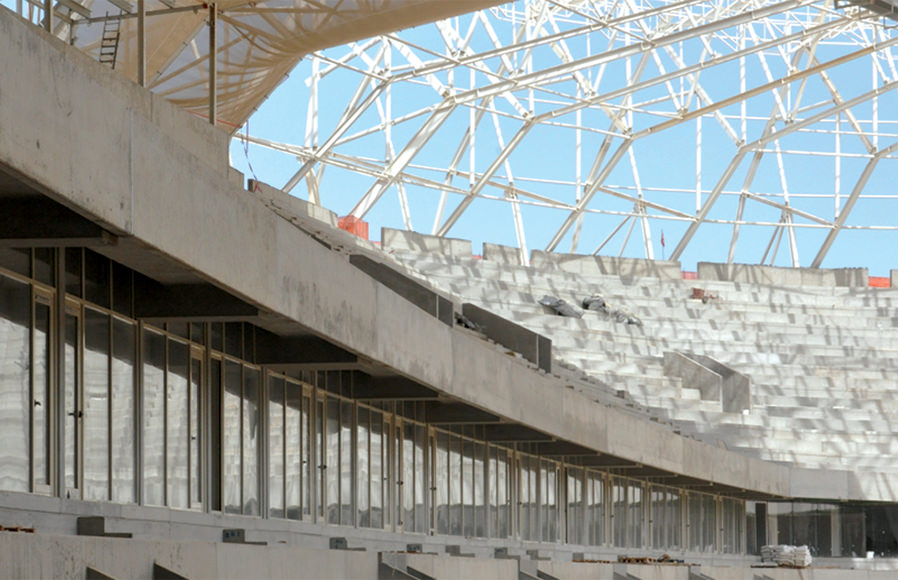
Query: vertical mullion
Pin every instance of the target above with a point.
(240, 429)
(109, 415)
(165, 481)
(31, 324)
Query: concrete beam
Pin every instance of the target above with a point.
(457, 413)
(302, 352)
(563, 448)
(37, 222)
(532, 346)
(412, 290)
(607, 461)
(391, 389)
(513, 434)
(193, 302)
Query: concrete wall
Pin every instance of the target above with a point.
(278, 199)
(49, 556)
(753, 274)
(597, 265)
(502, 254)
(400, 240)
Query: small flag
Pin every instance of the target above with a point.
(662, 238)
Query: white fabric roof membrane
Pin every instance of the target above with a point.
(258, 42)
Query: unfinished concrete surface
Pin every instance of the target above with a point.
(268, 262)
(154, 185)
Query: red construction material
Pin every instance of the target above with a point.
(690, 275)
(354, 225)
(698, 293)
(879, 282)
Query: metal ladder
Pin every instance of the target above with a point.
(109, 40)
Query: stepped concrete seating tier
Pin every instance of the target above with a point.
(823, 360)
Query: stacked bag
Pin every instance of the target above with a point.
(789, 556)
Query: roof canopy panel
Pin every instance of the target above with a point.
(257, 43)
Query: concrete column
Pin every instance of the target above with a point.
(141, 43)
(213, 64)
(48, 16)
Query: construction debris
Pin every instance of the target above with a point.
(595, 302)
(787, 556)
(560, 307)
(704, 295)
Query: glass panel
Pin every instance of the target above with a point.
(332, 460)
(346, 461)
(196, 333)
(307, 465)
(276, 444)
(751, 528)
(44, 265)
(657, 517)
(41, 392)
(467, 488)
(854, 541)
(455, 485)
(15, 404)
(16, 260)
(480, 506)
(216, 434)
(575, 506)
(234, 338)
(635, 517)
(73, 271)
(232, 467)
(812, 525)
(503, 494)
(216, 336)
(294, 457)
(153, 418)
(124, 355)
(96, 280)
(178, 424)
(96, 405)
(441, 482)
(421, 523)
(321, 459)
(596, 509)
(363, 468)
(251, 391)
(72, 403)
(619, 513)
(377, 469)
(122, 288)
(675, 517)
(196, 465)
(407, 479)
(550, 498)
(695, 522)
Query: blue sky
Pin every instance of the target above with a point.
(547, 154)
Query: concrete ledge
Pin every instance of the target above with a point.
(715, 380)
(402, 240)
(502, 254)
(694, 375)
(606, 265)
(277, 198)
(753, 274)
(532, 346)
(413, 291)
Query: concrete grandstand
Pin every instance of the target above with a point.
(202, 376)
